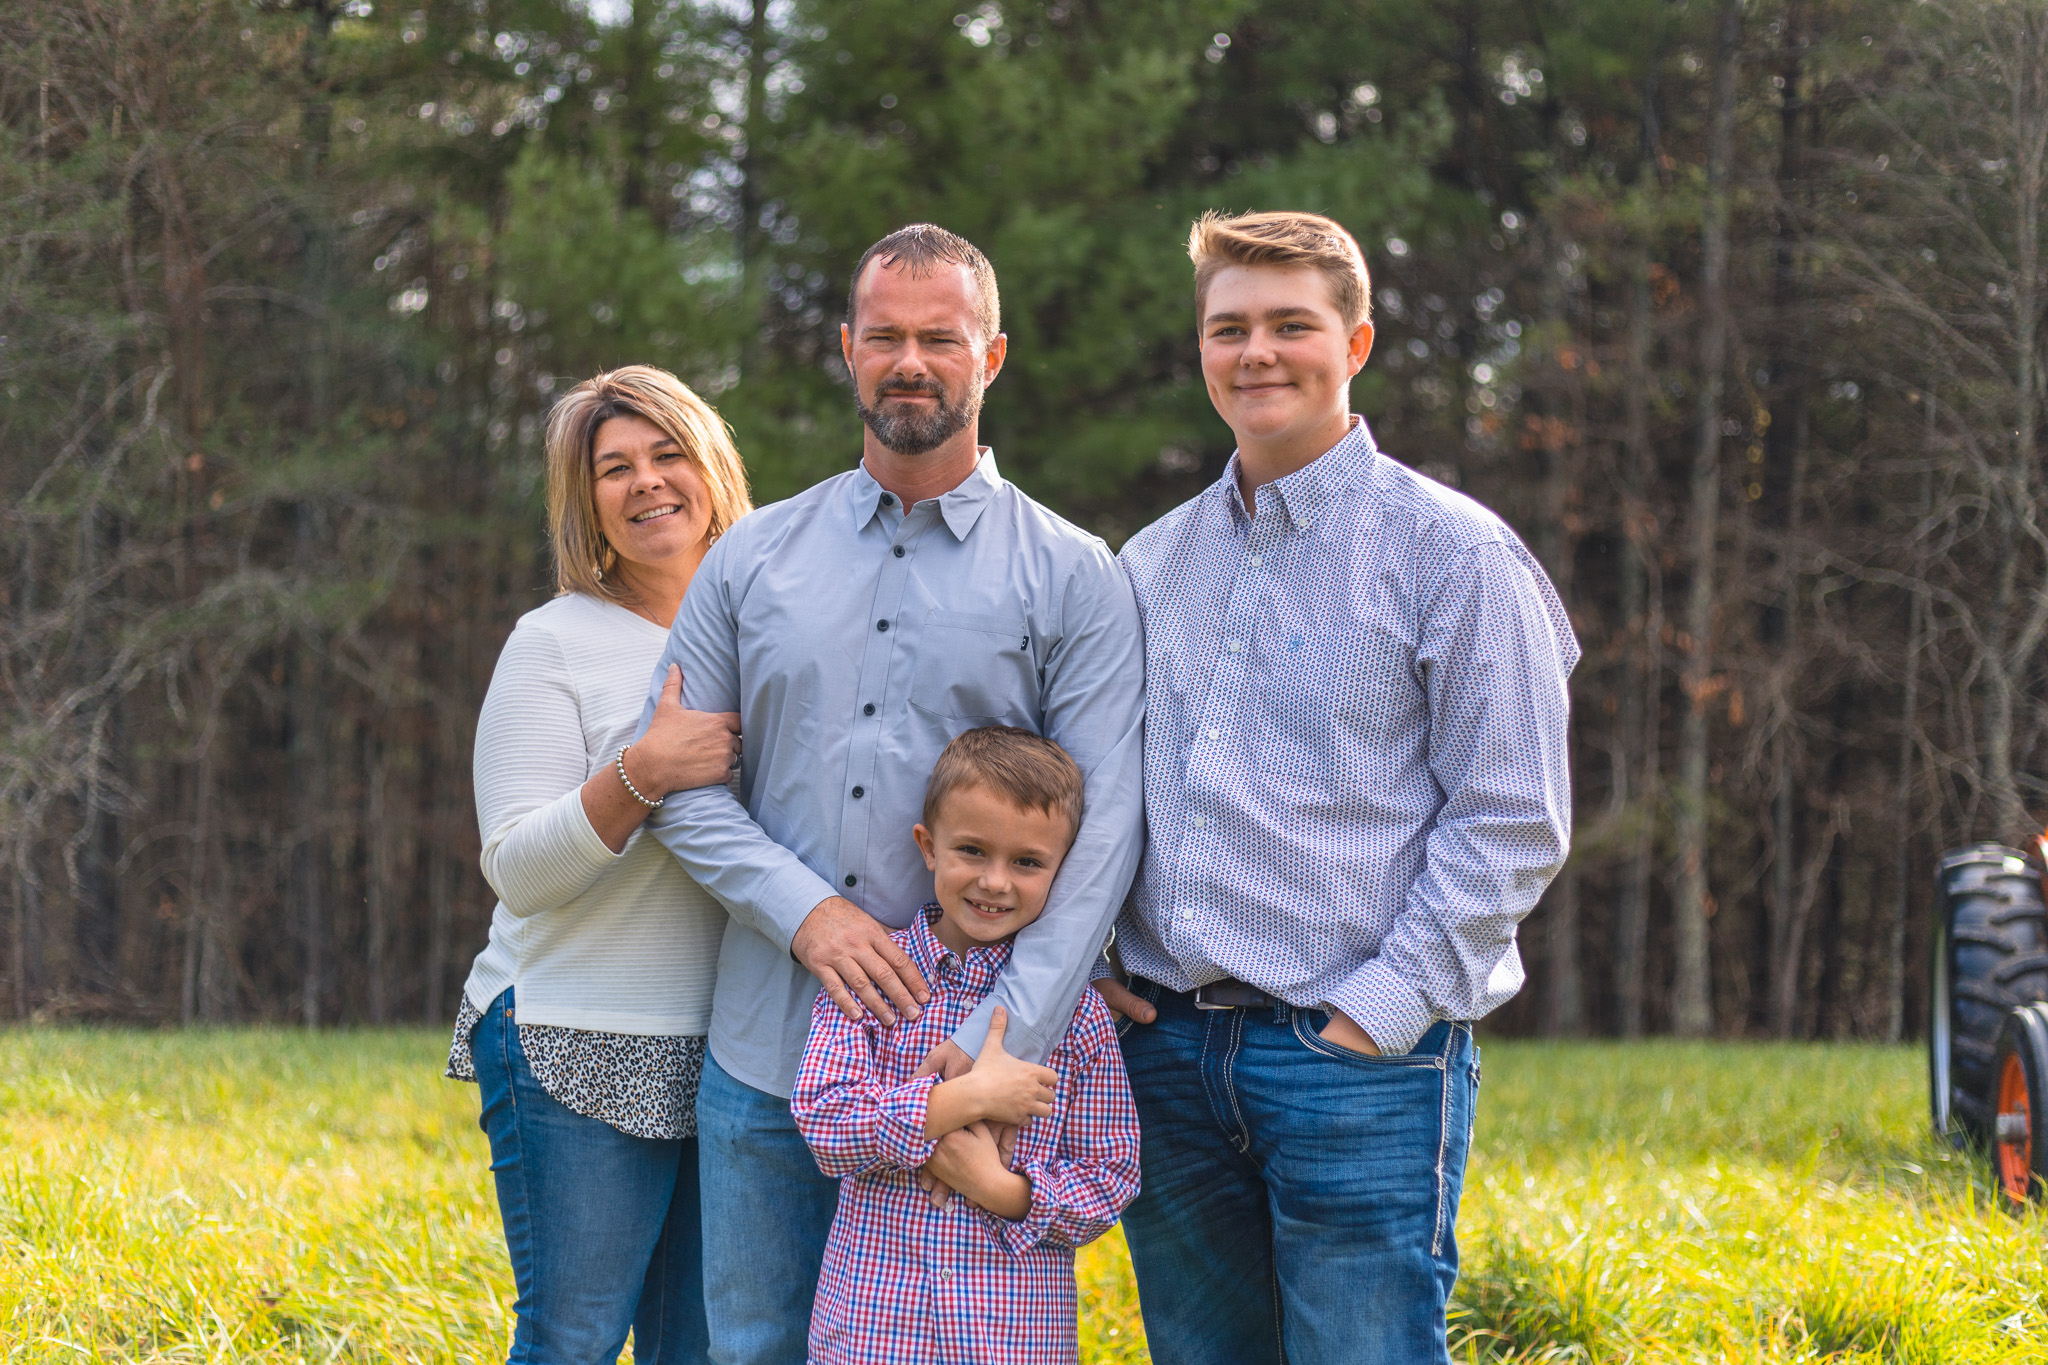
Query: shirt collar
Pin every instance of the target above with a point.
(981, 964)
(1303, 495)
(960, 507)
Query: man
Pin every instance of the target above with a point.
(1355, 786)
(857, 628)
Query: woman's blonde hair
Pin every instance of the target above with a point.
(582, 555)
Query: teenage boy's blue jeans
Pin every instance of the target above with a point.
(1299, 1198)
(603, 1227)
(768, 1211)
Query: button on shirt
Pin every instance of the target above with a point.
(914, 1285)
(1355, 771)
(852, 666)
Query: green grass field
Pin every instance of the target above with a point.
(271, 1196)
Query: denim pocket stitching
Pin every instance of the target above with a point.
(1315, 1042)
(1443, 1140)
(1244, 1137)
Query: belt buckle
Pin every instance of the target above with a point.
(1202, 1004)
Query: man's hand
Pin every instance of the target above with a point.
(1341, 1031)
(853, 957)
(1124, 1002)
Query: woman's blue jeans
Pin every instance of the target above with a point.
(604, 1228)
(1299, 1198)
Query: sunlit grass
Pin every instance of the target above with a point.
(269, 1196)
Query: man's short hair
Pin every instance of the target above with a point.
(1283, 239)
(1028, 770)
(922, 248)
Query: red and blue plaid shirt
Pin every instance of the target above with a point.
(914, 1285)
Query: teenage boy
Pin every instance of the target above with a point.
(857, 628)
(1355, 786)
(988, 1275)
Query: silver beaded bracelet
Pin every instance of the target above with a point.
(620, 764)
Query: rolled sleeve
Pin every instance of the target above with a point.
(899, 1123)
(1047, 1189)
(1386, 1006)
(546, 857)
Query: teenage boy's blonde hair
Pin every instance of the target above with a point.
(1283, 239)
(582, 555)
(1028, 770)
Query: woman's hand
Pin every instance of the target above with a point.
(683, 749)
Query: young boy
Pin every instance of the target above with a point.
(987, 1274)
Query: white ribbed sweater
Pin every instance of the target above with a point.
(613, 943)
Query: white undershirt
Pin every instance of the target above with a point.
(615, 943)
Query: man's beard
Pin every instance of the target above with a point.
(908, 431)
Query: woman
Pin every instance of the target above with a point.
(584, 1019)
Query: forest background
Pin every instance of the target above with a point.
(1735, 310)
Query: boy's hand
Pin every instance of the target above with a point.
(939, 1192)
(947, 1060)
(968, 1160)
(1007, 1089)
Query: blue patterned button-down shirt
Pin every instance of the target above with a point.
(1355, 773)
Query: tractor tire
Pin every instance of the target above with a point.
(1990, 956)
(2019, 1135)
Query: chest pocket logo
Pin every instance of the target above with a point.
(1330, 694)
(976, 668)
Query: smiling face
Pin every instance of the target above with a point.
(651, 501)
(918, 356)
(992, 864)
(1276, 355)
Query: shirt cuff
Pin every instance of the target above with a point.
(548, 858)
(1101, 967)
(1382, 1003)
(1019, 1237)
(786, 898)
(899, 1126)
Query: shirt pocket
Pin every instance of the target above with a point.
(976, 668)
(1329, 694)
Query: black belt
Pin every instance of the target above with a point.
(1232, 994)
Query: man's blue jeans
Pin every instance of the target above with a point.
(1299, 1198)
(603, 1227)
(767, 1210)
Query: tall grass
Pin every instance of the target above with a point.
(270, 1196)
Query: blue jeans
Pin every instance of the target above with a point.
(603, 1227)
(1299, 1198)
(768, 1210)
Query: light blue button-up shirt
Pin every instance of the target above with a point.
(855, 641)
(1355, 773)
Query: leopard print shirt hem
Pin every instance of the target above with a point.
(642, 1085)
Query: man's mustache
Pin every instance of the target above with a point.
(896, 386)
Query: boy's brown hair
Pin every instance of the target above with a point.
(1027, 769)
(1283, 239)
